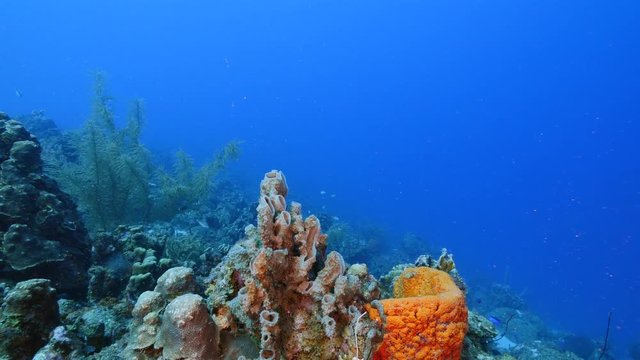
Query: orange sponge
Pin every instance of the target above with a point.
(427, 319)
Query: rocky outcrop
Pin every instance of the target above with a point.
(28, 314)
(41, 233)
(56, 145)
(181, 329)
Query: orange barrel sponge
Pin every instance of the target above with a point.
(426, 319)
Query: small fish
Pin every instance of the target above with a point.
(18, 93)
(203, 223)
(322, 192)
(180, 232)
(494, 320)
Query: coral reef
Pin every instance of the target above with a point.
(41, 233)
(276, 293)
(429, 303)
(125, 262)
(128, 260)
(202, 236)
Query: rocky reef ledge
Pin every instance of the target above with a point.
(41, 232)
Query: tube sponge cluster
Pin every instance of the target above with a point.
(426, 319)
(297, 301)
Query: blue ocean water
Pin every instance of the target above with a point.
(506, 131)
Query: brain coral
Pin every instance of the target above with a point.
(426, 319)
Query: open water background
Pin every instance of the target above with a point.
(505, 130)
